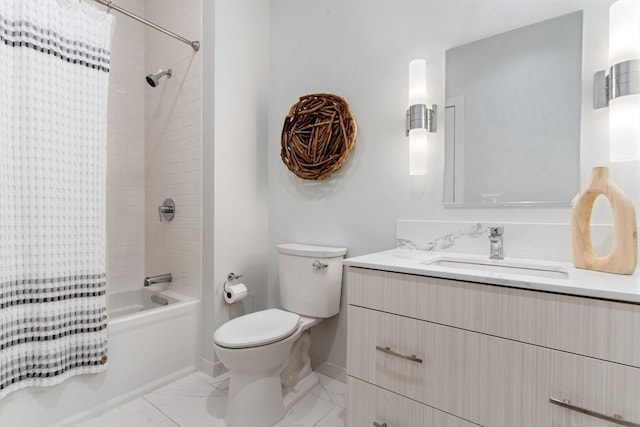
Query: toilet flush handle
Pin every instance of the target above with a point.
(317, 265)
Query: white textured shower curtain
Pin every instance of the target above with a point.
(54, 74)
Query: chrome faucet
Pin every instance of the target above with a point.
(496, 250)
(160, 278)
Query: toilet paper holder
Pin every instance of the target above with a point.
(230, 278)
(233, 276)
(234, 292)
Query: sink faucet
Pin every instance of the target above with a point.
(161, 278)
(496, 250)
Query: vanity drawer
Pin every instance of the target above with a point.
(597, 328)
(370, 406)
(602, 387)
(384, 291)
(486, 380)
(380, 350)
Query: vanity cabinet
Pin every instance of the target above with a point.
(487, 355)
(375, 406)
(607, 388)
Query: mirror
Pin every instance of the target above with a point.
(512, 117)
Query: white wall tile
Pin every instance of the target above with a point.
(173, 130)
(154, 147)
(125, 154)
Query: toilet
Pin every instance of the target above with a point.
(267, 352)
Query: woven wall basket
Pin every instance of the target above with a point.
(317, 136)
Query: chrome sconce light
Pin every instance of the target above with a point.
(420, 118)
(619, 87)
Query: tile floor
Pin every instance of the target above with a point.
(198, 400)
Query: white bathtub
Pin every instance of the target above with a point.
(149, 344)
(123, 304)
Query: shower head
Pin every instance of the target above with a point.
(153, 79)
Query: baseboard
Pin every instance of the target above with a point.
(212, 369)
(219, 369)
(332, 371)
(325, 368)
(207, 366)
(122, 399)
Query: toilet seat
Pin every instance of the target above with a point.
(257, 329)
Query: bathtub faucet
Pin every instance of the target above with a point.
(160, 278)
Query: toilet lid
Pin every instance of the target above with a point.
(255, 329)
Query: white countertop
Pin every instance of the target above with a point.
(579, 282)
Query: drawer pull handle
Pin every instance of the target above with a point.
(388, 350)
(375, 424)
(616, 419)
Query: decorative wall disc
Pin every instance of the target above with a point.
(317, 136)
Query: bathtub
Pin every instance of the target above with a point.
(152, 341)
(123, 304)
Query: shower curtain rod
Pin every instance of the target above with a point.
(195, 45)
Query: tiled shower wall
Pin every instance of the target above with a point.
(173, 126)
(153, 148)
(125, 153)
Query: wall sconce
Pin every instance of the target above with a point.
(420, 118)
(619, 89)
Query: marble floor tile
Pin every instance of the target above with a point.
(336, 418)
(199, 400)
(138, 413)
(332, 390)
(203, 376)
(307, 412)
(190, 402)
(221, 382)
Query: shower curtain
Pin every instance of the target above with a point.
(54, 73)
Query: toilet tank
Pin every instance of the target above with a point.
(308, 287)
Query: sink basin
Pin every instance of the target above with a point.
(519, 267)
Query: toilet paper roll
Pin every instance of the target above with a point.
(235, 293)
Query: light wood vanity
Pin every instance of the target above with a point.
(428, 351)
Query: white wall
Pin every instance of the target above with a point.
(361, 50)
(234, 152)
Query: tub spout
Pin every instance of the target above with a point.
(161, 278)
